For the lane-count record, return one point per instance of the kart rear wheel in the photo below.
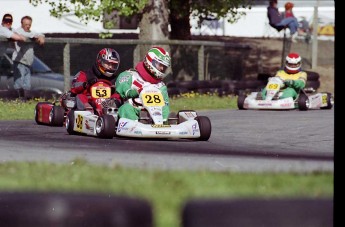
(70, 121)
(330, 101)
(105, 127)
(57, 115)
(240, 101)
(205, 127)
(36, 111)
(303, 102)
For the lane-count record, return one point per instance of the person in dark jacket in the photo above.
(277, 21)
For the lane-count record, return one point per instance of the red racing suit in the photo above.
(82, 82)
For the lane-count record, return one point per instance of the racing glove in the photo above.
(289, 83)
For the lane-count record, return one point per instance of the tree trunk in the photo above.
(179, 20)
(153, 26)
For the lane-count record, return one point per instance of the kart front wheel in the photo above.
(204, 127)
(303, 102)
(70, 121)
(240, 101)
(105, 127)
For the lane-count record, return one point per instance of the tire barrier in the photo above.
(258, 212)
(73, 209)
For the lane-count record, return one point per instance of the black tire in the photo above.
(73, 209)
(313, 84)
(312, 76)
(57, 116)
(329, 101)
(105, 127)
(36, 111)
(240, 101)
(303, 102)
(70, 121)
(257, 212)
(205, 127)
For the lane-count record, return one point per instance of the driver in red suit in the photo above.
(104, 69)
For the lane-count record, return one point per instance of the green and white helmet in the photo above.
(157, 61)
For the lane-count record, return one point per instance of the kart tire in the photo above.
(303, 102)
(57, 116)
(36, 111)
(240, 101)
(257, 212)
(74, 209)
(70, 121)
(329, 102)
(105, 127)
(205, 127)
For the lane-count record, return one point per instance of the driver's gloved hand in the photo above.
(289, 83)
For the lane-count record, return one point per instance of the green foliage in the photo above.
(167, 191)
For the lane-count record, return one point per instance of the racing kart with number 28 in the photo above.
(185, 124)
(306, 99)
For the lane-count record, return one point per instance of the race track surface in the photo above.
(241, 141)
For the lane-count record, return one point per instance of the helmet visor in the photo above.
(110, 66)
(291, 65)
(159, 66)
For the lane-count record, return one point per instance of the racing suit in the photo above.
(129, 85)
(81, 84)
(293, 83)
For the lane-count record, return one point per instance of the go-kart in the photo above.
(101, 120)
(52, 114)
(185, 124)
(307, 99)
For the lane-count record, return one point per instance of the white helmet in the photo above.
(293, 63)
(157, 61)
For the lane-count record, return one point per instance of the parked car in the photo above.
(44, 82)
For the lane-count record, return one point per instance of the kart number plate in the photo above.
(100, 92)
(272, 86)
(152, 99)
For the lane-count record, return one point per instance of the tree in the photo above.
(154, 15)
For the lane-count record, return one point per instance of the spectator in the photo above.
(288, 10)
(23, 57)
(6, 32)
(104, 69)
(277, 21)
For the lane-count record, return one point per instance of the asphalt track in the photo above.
(241, 141)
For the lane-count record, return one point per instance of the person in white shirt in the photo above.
(6, 32)
(23, 57)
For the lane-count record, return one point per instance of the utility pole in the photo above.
(315, 42)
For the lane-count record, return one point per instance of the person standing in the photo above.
(23, 57)
(6, 32)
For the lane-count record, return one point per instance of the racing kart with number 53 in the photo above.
(99, 122)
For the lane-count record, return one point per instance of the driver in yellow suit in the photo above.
(294, 78)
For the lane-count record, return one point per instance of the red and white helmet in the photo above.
(157, 61)
(108, 61)
(293, 63)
